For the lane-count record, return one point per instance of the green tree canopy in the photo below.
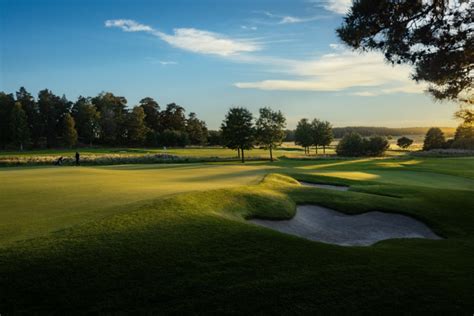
(404, 142)
(70, 133)
(434, 139)
(113, 116)
(87, 119)
(152, 113)
(196, 129)
(31, 109)
(19, 130)
(136, 127)
(303, 134)
(238, 130)
(270, 129)
(52, 110)
(173, 118)
(326, 134)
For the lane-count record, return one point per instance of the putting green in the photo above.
(34, 201)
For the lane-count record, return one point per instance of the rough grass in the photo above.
(194, 252)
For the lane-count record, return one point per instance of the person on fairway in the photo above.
(59, 162)
(78, 157)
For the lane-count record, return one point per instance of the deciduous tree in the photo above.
(238, 130)
(19, 130)
(270, 129)
(303, 134)
(70, 133)
(434, 139)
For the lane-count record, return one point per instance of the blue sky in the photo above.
(208, 56)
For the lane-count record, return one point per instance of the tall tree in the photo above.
(19, 130)
(317, 133)
(172, 118)
(434, 139)
(196, 129)
(326, 134)
(238, 130)
(87, 120)
(137, 129)
(52, 110)
(152, 113)
(30, 107)
(436, 37)
(113, 114)
(70, 133)
(303, 134)
(7, 103)
(270, 129)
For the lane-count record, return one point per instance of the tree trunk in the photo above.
(271, 154)
(238, 153)
(324, 150)
(243, 159)
(316, 150)
(21, 146)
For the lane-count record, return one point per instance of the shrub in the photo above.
(434, 139)
(351, 144)
(375, 146)
(354, 145)
(404, 142)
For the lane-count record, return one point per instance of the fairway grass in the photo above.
(174, 239)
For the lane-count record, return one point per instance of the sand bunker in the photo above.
(329, 226)
(325, 186)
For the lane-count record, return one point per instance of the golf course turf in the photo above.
(174, 238)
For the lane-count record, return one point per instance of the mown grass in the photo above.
(194, 253)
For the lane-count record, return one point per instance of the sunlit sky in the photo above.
(208, 56)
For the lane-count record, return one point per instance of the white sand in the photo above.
(325, 186)
(329, 226)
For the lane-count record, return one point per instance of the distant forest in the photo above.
(366, 131)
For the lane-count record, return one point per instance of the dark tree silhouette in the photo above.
(436, 37)
(19, 130)
(434, 139)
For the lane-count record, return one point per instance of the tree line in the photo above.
(316, 133)
(463, 138)
(51, 121)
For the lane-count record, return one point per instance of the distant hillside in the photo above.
(339, 132)
(388, 131)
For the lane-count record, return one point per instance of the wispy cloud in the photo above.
(247, 27)
(191, 39)
(167, 62)
(340, 70)
(336, 6)
(288, 19)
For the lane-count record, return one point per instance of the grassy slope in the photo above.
(194, 251)
(34, 201)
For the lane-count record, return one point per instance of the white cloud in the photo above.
(364, 94)
(191, 39)
(338, 71)
(128, 25)
(336, 6)
(288, 19)
(246, 27)
(167, 62)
